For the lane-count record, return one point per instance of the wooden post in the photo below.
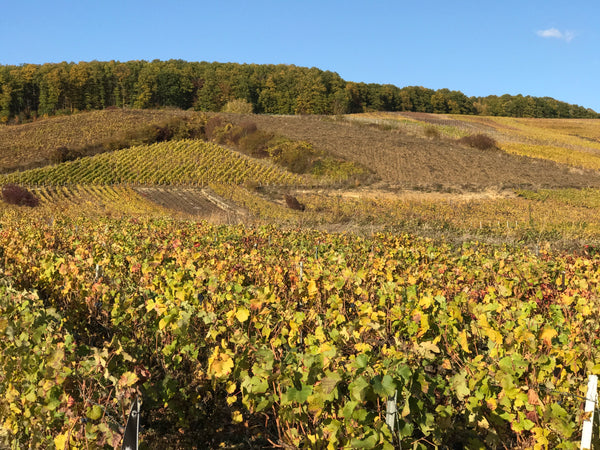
(591, 399)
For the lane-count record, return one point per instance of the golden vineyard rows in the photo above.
(33, 142)
(175, 162)
(296, 338)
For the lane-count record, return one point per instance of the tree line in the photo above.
(30, 90)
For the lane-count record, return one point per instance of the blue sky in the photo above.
(540, 48)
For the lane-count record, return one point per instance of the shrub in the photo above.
(63, 154)
(256, 143)
(479, 141)
(17, 195)
(431, 132)
(293, 203)
(238, 106)
(339, 170)
(248, 126)
(297, 157)
(212, 125)
(240, 131)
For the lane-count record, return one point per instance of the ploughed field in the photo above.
(404, 157)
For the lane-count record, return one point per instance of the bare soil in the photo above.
(198, 202)
(417, 163)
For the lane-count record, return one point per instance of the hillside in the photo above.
(35, 144)
(274, 281)
(540, 181)
(410, 160)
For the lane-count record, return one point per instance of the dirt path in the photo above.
(381, 191)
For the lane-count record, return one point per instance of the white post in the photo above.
(591, 398)
(390, 413)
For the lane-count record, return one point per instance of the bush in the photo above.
(479, 141)
(248, 126)
(212, 126)
(431, 132)
(256, 143)
(293, 203)
(297, 157)
(238, 106)
(237, 132)
(17, 195)
(64, 154)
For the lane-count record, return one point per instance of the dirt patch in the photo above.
(387, 192)
(198, 202)
(417, 163)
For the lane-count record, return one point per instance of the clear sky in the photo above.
(530, 47)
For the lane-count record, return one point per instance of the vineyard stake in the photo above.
(98, 272)
(391, 411)
(562, 287)
(591, 399)
(132, 429)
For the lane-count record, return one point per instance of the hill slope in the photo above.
(34, 144)
(412, 161)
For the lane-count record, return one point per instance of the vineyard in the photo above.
(189, 162)
(252, 306)
(34, 143)
(575, 143)
(227, 334)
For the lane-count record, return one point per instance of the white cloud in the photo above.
(557, 34)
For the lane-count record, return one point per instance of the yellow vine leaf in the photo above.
(494, 335)
(547, 334)
(312, 288)
(242, 314)
(128, 379)
(425, 301)
(219, 364)
(424, 325)
(60, 441)
(231, 387)
(362, 347)
(462, 340)
(236, 417)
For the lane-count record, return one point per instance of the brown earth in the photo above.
(413, 162)
(31, 145)
(198, 202)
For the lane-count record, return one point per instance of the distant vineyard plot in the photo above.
(176, 162)
(195, 201)
(402, 155)
(29, 144)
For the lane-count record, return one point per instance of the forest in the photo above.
(29, 91)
